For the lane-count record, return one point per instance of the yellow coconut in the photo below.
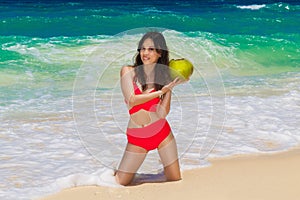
(181, 68)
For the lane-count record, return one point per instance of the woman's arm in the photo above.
(127, 75)
(163, 108)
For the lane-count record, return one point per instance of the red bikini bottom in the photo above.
(149, 137)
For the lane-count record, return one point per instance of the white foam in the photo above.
(252, 7)
(102, 177)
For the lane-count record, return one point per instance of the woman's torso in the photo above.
(143, 114)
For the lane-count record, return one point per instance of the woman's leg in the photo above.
(132, 159)
(169, 156)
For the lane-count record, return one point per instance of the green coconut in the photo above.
(181, 68)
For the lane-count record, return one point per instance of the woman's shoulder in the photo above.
(127, 69)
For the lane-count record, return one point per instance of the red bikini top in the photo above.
(149, 105)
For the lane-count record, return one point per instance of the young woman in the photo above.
(146, 87)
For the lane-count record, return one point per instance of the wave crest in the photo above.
(252, 7)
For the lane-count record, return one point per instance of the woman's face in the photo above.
(148, 53)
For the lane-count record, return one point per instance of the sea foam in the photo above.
(252, 7)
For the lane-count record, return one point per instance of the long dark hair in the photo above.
(161, 70)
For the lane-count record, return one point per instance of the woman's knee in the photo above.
(172, 172)
(175, 176)
(123, 178)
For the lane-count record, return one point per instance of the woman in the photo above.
(146, 87)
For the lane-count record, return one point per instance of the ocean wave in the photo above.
(109, 20)
(252, 7)
(153, 10)
(242, 53)
(283, 7)
(279, 7)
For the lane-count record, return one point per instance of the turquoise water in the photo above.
(56, 18)
(45, 38)
(61, 108)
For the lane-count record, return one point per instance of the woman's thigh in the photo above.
(132, 159)
(169, 157)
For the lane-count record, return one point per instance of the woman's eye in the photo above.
(149, 49)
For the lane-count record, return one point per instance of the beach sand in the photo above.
(255, 177)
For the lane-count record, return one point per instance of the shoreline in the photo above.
(264, 176)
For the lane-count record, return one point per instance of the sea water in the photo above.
(63, 116)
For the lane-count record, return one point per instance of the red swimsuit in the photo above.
(149, 105)
(148, 137)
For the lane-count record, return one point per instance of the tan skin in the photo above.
(143, 118)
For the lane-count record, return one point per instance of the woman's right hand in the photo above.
(171, 85)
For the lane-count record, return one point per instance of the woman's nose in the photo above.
(146, 51)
